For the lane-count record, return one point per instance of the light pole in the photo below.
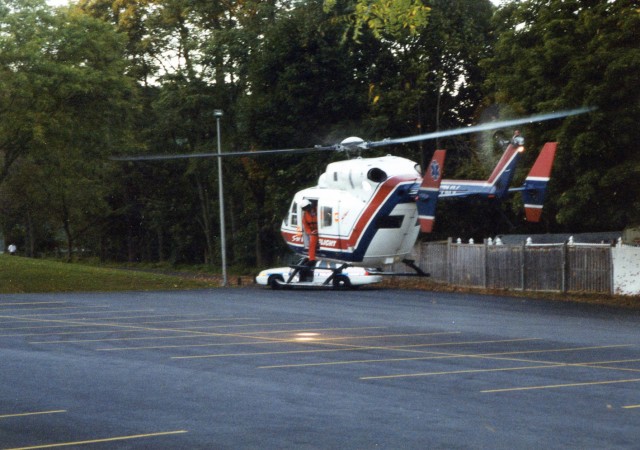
(223, 244)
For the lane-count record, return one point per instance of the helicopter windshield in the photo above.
(292, 217)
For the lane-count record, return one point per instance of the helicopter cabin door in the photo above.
(329, 224)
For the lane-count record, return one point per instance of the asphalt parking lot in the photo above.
(374, 368)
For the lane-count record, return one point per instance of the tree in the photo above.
(303, 87)
(426, 74)
(70, 111)
(553, 55)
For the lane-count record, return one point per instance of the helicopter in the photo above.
(370, 211)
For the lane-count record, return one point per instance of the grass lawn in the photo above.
(23, 275)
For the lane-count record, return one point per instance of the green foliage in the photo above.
(68, 107)
(386, 19)
(561, 54)
(431, 81)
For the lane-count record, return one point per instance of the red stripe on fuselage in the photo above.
(380, 196)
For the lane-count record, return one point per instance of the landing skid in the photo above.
(418, 272)
(303, 285)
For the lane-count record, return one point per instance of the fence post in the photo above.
(448, 268)
(611, 274)
(565, 268)
(484, 264)
(523, 268)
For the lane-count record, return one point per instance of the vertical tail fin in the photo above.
(429, 190)
(502, 174)
(535, 184)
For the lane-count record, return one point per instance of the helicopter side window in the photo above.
(294, 214)
(327, 216)
(390, 222)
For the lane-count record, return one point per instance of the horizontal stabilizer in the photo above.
(429, 190)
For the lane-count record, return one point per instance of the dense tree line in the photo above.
(99, 78)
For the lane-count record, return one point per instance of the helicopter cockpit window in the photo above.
(326, 216)
(294, 214)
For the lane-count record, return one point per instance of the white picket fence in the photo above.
(591, 268)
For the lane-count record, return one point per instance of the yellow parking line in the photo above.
(314, 341)
(456, 372)
(631, 406)
(289, 352)
(157, 316)
(301, 330)
(66, 333)
(214, 344)
(599, 365)
(85, 341)
(110, 330)
(558, 350)
(357, 361)
(111, 311)
(41, 317)
(196, 334)
(78, 323)
(171, 318)
(442, 355)
(47, 327)
(540, 365)
(219, 319)
(125, 326)
(36, 413)
(415, 348)
(32, 303)
(343, 348)
(57, 308)
(99, 441)
(191, 334)
(556, 386)
(259, 340)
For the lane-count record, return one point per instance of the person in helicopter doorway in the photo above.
(310, 224)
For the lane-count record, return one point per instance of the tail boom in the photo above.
(496, 186)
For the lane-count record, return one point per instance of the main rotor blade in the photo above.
(481, 127)
(363, 145)
(161, 157)
(225, 154)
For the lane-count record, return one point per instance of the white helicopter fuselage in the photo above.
(366, 211)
